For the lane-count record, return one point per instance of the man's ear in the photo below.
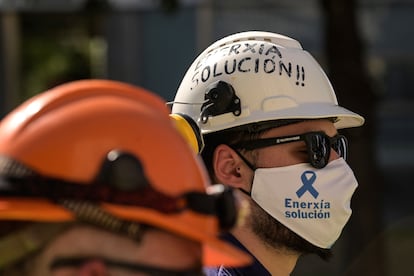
(229, 168)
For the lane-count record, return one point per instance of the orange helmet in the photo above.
(113, 145)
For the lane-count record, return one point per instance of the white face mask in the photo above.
(313, 203)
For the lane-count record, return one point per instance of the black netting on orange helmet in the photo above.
(120, 181)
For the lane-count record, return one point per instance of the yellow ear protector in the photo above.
(189, 130)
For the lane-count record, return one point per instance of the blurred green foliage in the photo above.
(55, 49)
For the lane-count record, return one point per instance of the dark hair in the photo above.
(235, 136)
(227, 137)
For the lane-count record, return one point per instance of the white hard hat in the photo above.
(254, 77)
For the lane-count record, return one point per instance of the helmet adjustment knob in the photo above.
(220, 98)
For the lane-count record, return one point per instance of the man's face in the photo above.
(261, 223)
(157, 249)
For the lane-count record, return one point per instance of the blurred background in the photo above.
(365, 46)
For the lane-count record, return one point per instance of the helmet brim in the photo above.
(344, 118)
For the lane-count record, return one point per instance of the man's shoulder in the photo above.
(256, 268)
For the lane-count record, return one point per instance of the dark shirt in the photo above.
(256, 268)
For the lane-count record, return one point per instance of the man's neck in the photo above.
(277, 262)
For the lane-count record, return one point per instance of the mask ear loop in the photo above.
(250, 165)
(247, 162)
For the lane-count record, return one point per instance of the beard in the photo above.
(276, 235)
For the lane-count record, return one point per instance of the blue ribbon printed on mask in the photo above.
(308, 178)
